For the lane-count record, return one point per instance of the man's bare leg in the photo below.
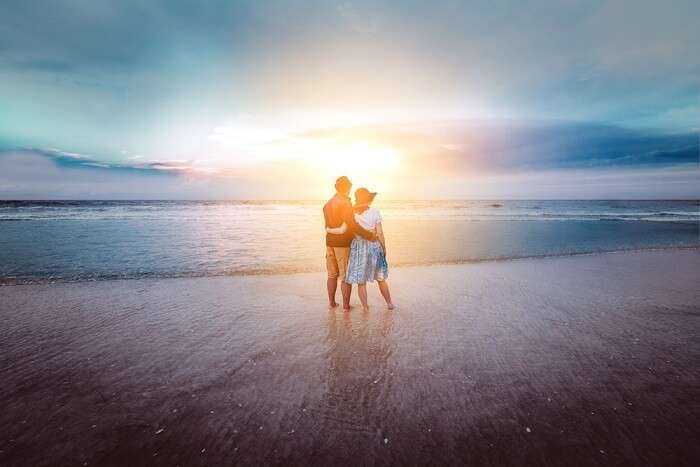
(346, 290)
(332, 285)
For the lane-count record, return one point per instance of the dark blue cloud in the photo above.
(76, 161)
(510, 146)
(504, 145)
(53, 174)
(588, 145)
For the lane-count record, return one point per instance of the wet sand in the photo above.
(589, 360)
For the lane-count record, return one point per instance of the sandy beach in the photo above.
(583, 360)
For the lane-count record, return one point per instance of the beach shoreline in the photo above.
(585, 359)
(28, 280)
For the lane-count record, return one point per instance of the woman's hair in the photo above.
(360, 208)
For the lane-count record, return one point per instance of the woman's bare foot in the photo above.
(332, 305)
(346, 308)
(365, 308)
(390, 306)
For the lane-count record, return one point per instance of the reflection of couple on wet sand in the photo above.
(358, 351)
(355, 245)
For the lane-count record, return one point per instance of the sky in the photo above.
(416, 99)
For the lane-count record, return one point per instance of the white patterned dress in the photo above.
(367, 261)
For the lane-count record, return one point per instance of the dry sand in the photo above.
(589, 360)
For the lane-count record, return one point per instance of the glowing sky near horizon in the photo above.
(260, 99)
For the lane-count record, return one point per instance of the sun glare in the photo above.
(368, 156)
(366, 164)
(316, 157)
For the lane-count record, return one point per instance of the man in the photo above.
(336, 211)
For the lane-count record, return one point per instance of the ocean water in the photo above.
(98, 240)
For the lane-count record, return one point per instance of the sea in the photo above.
(54, 241)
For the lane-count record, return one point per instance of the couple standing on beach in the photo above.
(355, 245)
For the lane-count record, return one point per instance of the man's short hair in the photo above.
(343, 184)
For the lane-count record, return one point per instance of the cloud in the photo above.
(136, 163)
(509, 146)
(98, 164)
(357, 20)
(44, 64)
(53, 174)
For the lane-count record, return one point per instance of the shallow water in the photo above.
(567, 361)
(50, 241)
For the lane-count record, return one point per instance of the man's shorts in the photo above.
(337, 261)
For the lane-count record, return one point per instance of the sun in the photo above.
(366, 164)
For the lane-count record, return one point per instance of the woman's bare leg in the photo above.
(384, 289)
(362, 292)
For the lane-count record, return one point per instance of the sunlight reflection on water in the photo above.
(101, 240)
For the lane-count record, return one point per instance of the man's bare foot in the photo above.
(346, 307)
(332, 305)
(390, 306)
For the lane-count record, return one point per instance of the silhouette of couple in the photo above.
(355, 245)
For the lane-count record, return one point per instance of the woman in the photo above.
(367, 259)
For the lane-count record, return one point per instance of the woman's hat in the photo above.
(364, 196)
